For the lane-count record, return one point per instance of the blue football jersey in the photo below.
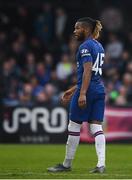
(91, 51)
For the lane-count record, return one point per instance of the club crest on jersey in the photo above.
(85, 52)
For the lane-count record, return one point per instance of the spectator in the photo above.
(25, 95)
(60, 23)
(44, 24)
(30, 65)
(42, 74)
(114, 47)
(112, 19)
(121, 100)
(64, 67)
(36, 87)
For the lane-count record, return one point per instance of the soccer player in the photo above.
(87, 98)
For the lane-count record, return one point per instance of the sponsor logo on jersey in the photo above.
(85, 52)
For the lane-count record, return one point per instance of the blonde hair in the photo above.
(97, 29)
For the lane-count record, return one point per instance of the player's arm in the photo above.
(71, 90)
(85, 83)
(66, 97)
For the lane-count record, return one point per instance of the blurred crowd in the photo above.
(37, 51)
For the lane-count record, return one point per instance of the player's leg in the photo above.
(97, 131)
(71, 146)
(72, 142)
(73, 130)
(73, 136)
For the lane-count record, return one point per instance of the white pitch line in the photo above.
(66, 174)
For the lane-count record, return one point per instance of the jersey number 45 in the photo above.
(97, 67)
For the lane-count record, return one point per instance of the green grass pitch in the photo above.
(31, 161)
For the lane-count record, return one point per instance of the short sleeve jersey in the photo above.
(90, 51)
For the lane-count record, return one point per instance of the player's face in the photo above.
(79, 31)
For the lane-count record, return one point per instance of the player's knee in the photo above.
(96, 129)
(74, 127)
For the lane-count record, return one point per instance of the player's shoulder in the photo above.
(85, 44)
(99, 44)
(91, 44)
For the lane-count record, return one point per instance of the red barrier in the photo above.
(117, 125)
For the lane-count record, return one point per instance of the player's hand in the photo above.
(82, 101)
(66, 97)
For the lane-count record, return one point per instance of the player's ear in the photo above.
(87, 30)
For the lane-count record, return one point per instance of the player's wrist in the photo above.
(83, 93)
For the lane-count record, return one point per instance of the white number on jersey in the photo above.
(97, 67)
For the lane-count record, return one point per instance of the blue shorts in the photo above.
(93, 111)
